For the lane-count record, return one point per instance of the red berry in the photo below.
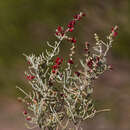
(112, 29)
(59, 29)
(61, 59)
(79, 17)
(62, 34)
(71, 24)
(70, 61)
(25, 112)
(73, 40)
(57, 33)
(76, 16)
(115, 33)
(90, 63)
(53, 71)
(30, 77)
(59, 62)
(57, 59)
(55, 67)
(71, 29)
(28, 118)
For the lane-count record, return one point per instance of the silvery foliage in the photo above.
(55, 100)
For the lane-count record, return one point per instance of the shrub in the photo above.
(60, 92)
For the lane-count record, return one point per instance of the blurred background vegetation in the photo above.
(26, 25)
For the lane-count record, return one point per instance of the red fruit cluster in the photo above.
(71, 25)
(59, 31)
(58, 62)
(94, 61)
(28, 118)
(30, 77)
(76, 18)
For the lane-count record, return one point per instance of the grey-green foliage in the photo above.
(60, 93)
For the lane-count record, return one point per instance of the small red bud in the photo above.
(112, 29)
(76, 16)
(25, 112)
(55, 66)
(62, 34)
(57, 33)
(90, 64)
(59, 29)
(71, 29)
(57, 59)
(53, 71)
(30, 77)
(70, 61)
(115, 33)
(73, 40)
(28, 118)
(71, 24)
(79, 17)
